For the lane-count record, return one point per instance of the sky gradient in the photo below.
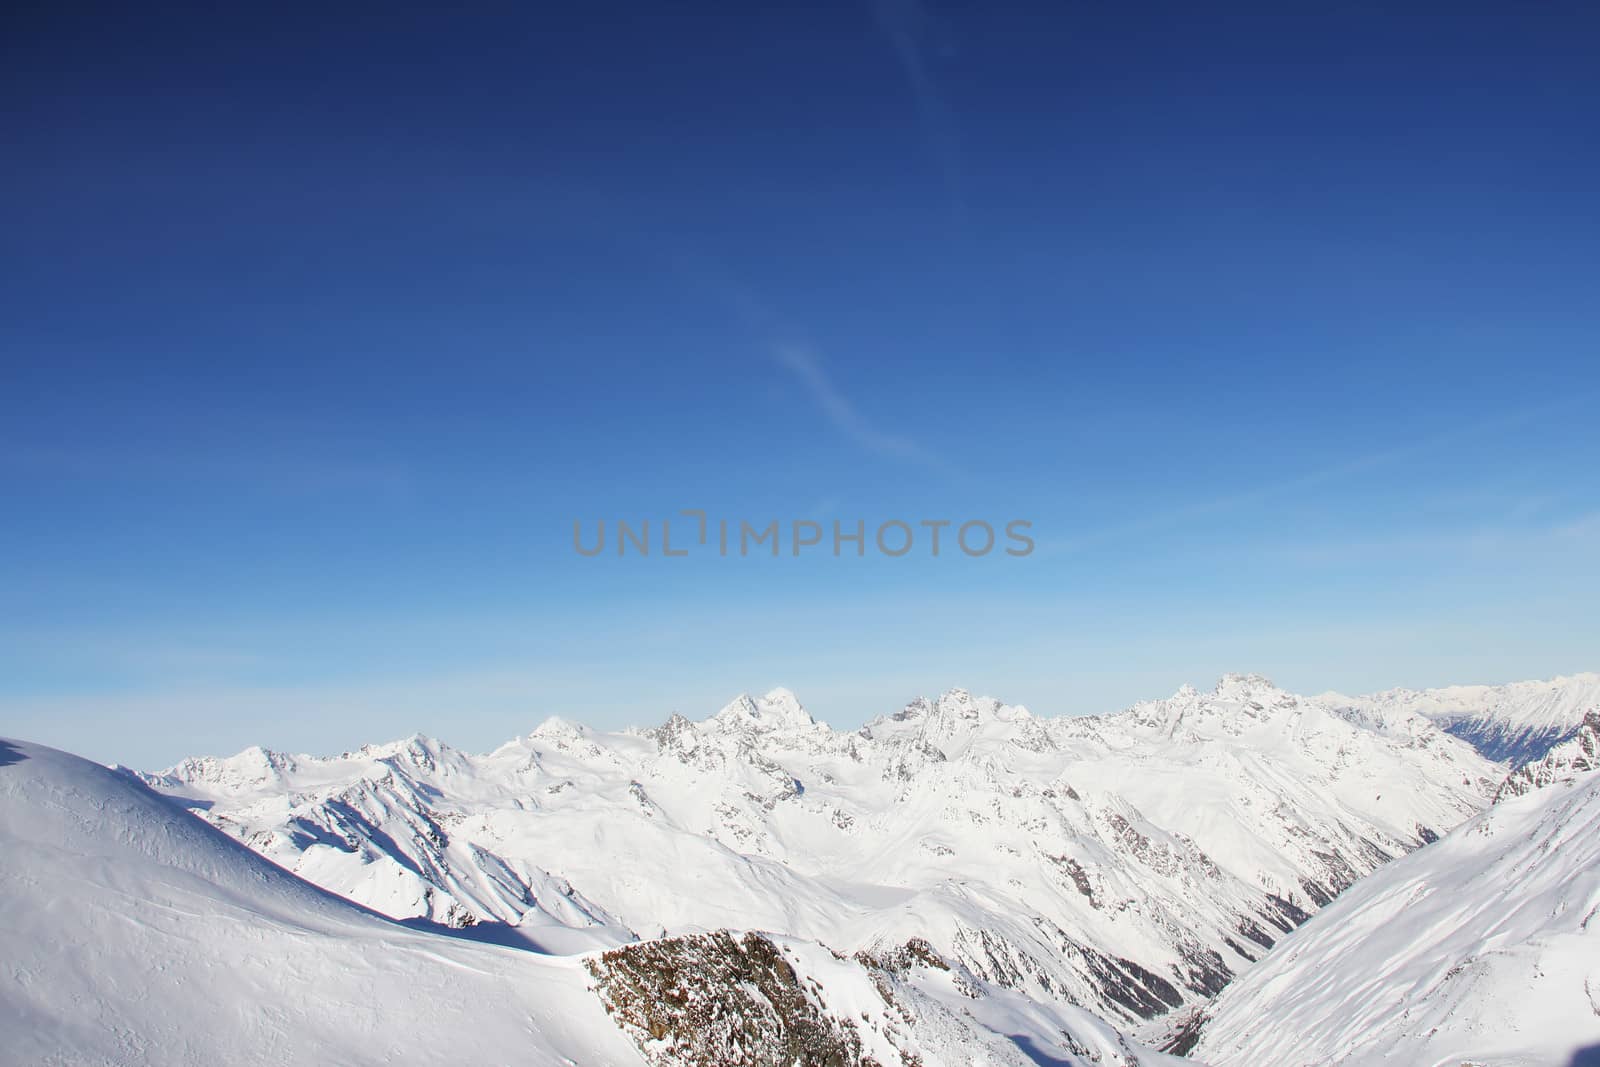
(319, 331)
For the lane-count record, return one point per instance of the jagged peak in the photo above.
(1236, 697)
(953, 715)
(1237, 684)
(780, 693)
(556, 726)
(416, 744)
(677, 732)
(255, 760)
(742, 706)
(915, 708)
(954, 701)
(778, 709)
(783, 704)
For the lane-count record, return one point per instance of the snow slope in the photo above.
(133, 933)
(378, 838)
(1482, 949)
(1513, 723)
(1127, 863)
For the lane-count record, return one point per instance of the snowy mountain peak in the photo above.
(954, 707)
(254, 766)
(741, 707)
(555, 727)
(418, 748)
(1237, 702)
(779, 709)
(1245, 685)
(784, 706)
(963, 704)
(958, 705)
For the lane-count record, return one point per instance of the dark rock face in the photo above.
(1141, 991)
(1185, 1033)
(712, 1001)
(1204, 972)
(1577, 753)
(1252, 929)
(916, 952)
(1284, 914)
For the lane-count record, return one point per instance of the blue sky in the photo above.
(319, 331)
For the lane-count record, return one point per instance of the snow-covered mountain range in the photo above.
(135, 934)
(1129, 863)
(960, 882)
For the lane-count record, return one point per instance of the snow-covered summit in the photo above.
(1244, 686)
(778, 710)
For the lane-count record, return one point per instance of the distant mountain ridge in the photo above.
(1129, 863)
(1512, 723)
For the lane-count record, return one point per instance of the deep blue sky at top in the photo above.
(319, 328)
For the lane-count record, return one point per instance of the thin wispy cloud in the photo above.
(905, 24)
(803, 363)
(841, 411)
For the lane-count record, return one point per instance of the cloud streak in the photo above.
(841, 411)
(904, 24)
(801, 360)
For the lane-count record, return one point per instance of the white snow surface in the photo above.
(1126, 863)
(1482, 949)
(133, 933)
